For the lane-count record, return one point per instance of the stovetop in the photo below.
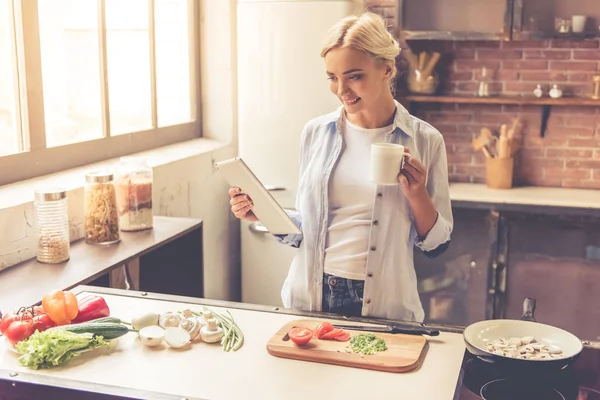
(484, 380)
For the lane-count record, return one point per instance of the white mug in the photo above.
(387, 159)
(578, 23)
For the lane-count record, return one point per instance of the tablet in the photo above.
(266, 208)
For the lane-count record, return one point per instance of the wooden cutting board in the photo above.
(404, 352)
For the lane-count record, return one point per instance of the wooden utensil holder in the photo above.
(499, 172)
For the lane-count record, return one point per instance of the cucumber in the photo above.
(114, 320)
(108, 330)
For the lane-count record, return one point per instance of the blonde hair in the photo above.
(366, 32)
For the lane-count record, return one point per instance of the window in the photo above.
(10, 132)
(86, 80)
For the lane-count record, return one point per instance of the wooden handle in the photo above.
(431, 64)
(487, 133)
(479, 142)
(422, 59)
(412, 60)
(503, 147)
(513, 130)
(486, 152)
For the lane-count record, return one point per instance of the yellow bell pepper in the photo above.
(61, 306)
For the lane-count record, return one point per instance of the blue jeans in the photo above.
(342, 296)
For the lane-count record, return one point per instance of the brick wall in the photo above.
(568, 155)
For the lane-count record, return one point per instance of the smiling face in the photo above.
(359, 80)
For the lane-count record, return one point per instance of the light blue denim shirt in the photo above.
(390, 283)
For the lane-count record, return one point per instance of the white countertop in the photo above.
(207, 372)
(530, 195)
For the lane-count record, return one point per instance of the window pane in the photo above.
(70, 70)
(172, 61)
(9, 139)
(128, 59)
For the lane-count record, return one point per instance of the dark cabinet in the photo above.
(454, 19)
(499, 258)
(544, 18)
(495, 19)
(555, 260)
(452, 287)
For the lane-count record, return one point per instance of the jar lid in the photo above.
(52, 194)
(99, 177)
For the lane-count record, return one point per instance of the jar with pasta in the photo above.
(52, 226)
(100, 208)
(134, 194)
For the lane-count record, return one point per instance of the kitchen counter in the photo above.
(130, 371)
(207, 372)
(89, 262)
(526, 199)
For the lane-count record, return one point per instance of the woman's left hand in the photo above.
(412, 177)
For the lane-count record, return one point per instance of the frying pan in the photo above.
(477, 335)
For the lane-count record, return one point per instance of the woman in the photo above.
(356, 248)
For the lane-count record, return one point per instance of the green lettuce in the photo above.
(55, 347)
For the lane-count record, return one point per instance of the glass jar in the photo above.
(101, 225)
(52, 226)
(134, 194)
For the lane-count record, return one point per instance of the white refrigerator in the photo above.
(281, 85)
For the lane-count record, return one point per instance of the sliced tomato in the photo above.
(332, 334)
(343, 337)
(322, 329)
(300, 335)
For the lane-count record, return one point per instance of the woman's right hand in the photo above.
(241, 204)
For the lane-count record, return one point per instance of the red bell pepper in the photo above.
(91, 307)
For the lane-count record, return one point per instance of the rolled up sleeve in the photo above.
(293, 239)
(438, 238)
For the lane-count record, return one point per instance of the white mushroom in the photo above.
(525, 348)
(515, 341)
(191, 325)
(169, 320)
(527, 339)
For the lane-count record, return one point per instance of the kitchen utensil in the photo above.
(404, 352)
(499, 172)
(422, 59)
(422, 78)
(514, 136)
(477, 335)
(435, 57)
(393, 329)
(515, 128)
(485, 139)
(503, 143)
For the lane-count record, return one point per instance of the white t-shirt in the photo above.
(351, 197)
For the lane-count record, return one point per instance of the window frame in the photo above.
(36, 159)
